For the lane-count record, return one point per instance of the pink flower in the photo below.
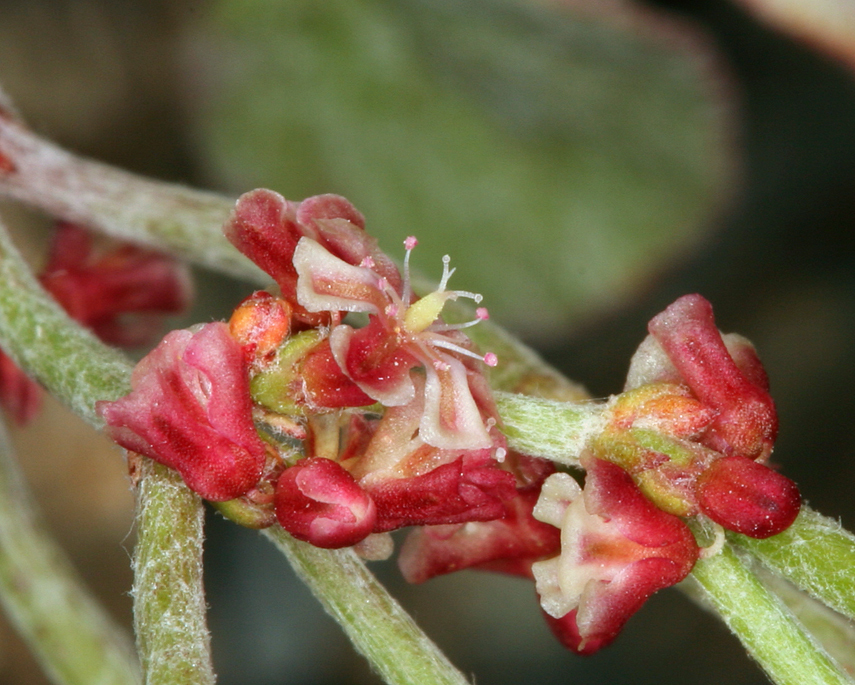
(190, 409)
(696, 425)
(121, 294)
(617, 549)
(723, 373)
(402, 334)
(407, 481)
(266, 228)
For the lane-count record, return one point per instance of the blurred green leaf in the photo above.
(559, 157)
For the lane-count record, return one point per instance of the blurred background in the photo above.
(584, 163)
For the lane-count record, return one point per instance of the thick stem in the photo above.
(80, 370)
(169, 602)
(547, 428)
(34, 330)
(376, 624)
(788, 654)
(816, 553)
(184, 222)
(72, 637)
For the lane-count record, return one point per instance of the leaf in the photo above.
(559, 157)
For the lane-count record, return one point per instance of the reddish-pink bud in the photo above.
(746, 423)
(101, 290)
(748, 497)
(471, 488)
(190, 409)
(317, 501)
(508, 545)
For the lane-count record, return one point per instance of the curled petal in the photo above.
(471, 488)
(748, 497)
(373, 360)
(747, 422)
(317, 501)
(327, 283)
(452, 419)
(263, 226)
(190, 409)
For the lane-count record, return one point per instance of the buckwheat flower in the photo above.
(121, 293)
(617, 549)
(190, 409)
(266, 228)
(696, 425)
(403, 333)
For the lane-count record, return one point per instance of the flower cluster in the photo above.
(691, 435)
(395, 421)
(344, 407)
(121, 294)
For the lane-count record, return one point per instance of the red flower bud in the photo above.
(190, 410)
(748, 497)
(317, 501)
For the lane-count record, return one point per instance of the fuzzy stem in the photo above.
(547, 428)
(833, 630)
(376, 624)
(765, 626)
(169, 603)
(35, 331)
(816, 553)
(184, 222)
(79, 370)
(72, 637)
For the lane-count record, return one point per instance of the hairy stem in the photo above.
(169, 602)
(184, 222)
(376, 624)
(72, 637)
(816, 553)
(548, 428)
(80, 370)
(767, 629)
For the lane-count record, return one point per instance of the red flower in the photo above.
(190, 410)
(401, 335)
(617, 549)
(122, 294)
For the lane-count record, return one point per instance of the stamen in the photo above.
(489, 359)
(409, 244)
(446, 273)
(367, 262)
(481, 314)
(500, 455)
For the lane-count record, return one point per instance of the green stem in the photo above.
(169, 602)
(548, 428)
(816, 554)
(184, 222)
(376, 624)
(788, 654)
(80, 370)
(70, 362)
(834, 631)
(72, 637)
